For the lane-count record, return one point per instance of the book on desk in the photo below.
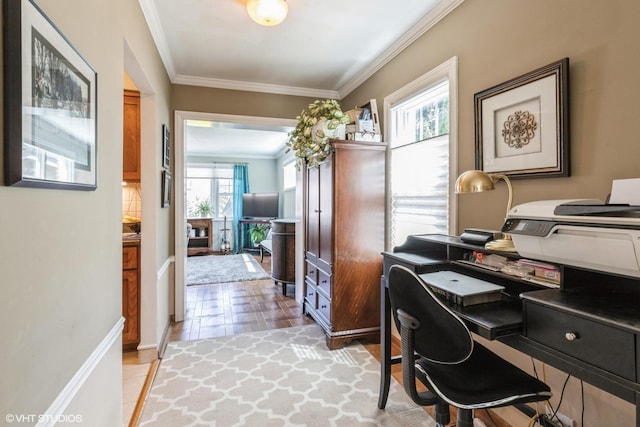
(461, 289)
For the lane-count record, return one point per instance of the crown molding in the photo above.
(153, 21)
(425, 24)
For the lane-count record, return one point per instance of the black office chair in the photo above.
(457, 370)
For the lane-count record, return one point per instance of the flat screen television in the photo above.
(260, 205)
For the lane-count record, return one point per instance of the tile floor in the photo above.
(134, 375)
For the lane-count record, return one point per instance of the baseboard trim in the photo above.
(165, 338)
(69, 392)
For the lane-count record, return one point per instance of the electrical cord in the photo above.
(537, 417)
(553, 415)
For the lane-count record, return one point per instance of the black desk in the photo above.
(530, 318)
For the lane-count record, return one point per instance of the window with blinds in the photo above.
(420, 158)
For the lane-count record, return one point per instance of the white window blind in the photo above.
(420, 188)
(422, 141)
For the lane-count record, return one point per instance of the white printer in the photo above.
(582, 233)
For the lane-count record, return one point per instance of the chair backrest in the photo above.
(441, 337)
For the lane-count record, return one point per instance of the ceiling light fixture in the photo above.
(267, 12)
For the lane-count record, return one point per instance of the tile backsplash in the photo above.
(131, 200)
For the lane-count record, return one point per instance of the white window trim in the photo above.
(448, 70)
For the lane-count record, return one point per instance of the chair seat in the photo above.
(473, 384)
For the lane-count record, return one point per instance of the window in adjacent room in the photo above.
(289, 175)
(213, 183)
(421, 123)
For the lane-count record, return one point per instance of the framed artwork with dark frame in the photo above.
(166, 147)
(166, 189)
(522, 125)
(50, 108)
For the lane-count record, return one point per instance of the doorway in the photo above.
(225, 121)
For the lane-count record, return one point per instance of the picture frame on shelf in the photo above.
(167, 179)
(522, 125)
(166, 147)
(50, 126)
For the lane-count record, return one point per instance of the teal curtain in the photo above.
(240, 186)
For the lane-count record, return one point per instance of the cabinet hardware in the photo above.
(571, 336)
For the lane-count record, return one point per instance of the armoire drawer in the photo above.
(311, 295)
(604, 346)
(324, 307)
(324, 282)
(312, 273)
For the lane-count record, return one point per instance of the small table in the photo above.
(201, 242)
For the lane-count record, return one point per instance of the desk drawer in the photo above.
(603, 346)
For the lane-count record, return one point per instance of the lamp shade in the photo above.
(267, 12)
(474, 181)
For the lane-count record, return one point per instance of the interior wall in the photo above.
(242, 103)
(497, 40)
(146, 70)
(61, 250)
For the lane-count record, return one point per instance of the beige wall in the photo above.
(60, 252)
(242, 103)
(496, 40)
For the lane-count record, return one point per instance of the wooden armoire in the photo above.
(344, 221)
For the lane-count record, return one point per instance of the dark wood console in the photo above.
(283, 252)
(589, 326)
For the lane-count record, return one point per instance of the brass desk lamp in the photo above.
(476, 181)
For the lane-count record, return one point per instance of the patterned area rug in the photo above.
(204, 270)
(284, 377)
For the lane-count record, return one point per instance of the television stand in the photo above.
(241, 223)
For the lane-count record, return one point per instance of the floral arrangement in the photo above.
(309, 140)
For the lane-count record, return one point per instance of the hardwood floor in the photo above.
(231, 308)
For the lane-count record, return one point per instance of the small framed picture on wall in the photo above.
(166, 189)
(166, 147)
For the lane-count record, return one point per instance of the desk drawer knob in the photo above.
(571, 336)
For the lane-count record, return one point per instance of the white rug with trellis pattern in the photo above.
(283, 377)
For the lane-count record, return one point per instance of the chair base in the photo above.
(465, 418)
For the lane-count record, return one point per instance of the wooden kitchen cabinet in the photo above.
(131, 295)
(344, 224)
(131, 137)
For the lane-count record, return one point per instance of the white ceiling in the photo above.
(323, 49)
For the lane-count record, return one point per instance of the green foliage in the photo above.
(258, 232)
(311, 147)
(203, 208)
